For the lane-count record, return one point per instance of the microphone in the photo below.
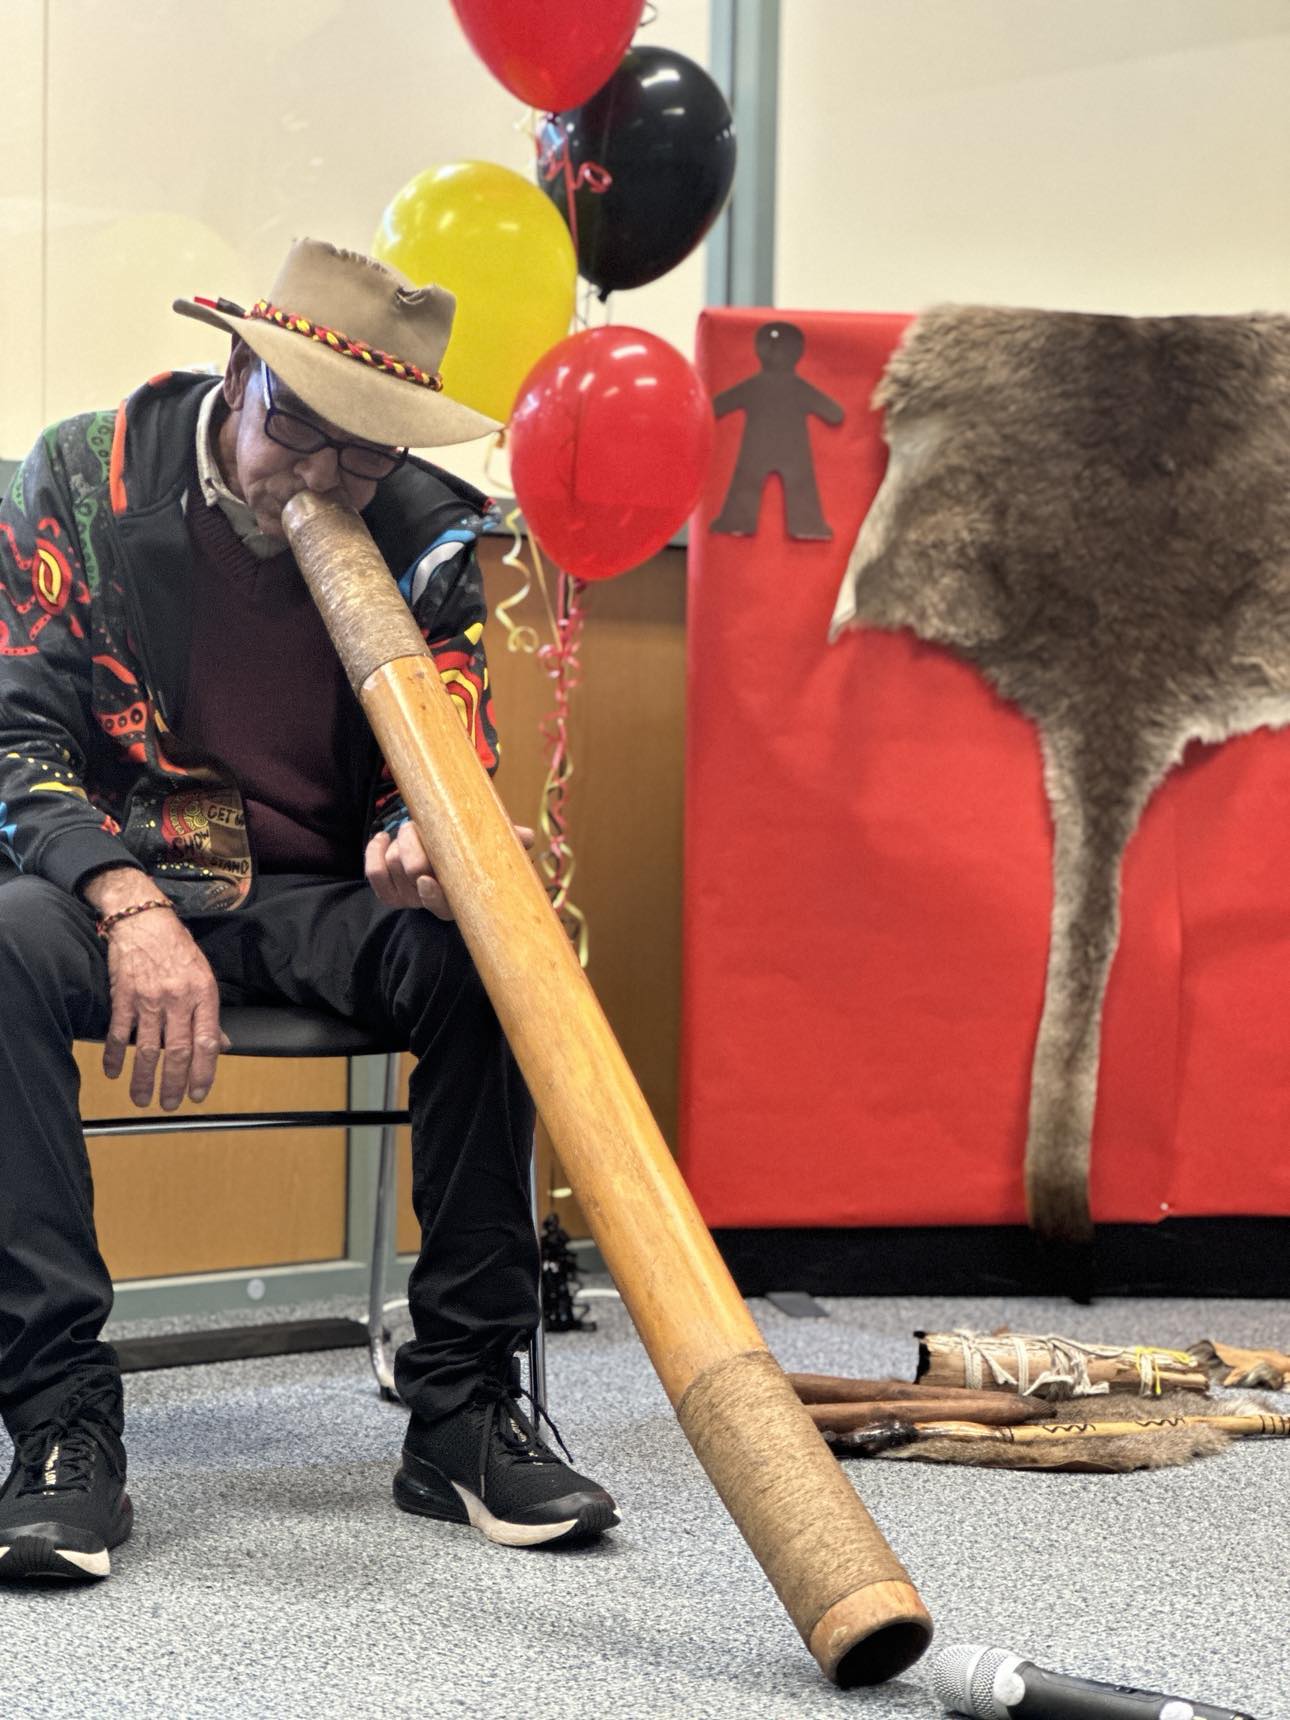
(991, 1684)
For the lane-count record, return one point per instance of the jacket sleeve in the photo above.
(445, 591)
(48, 826)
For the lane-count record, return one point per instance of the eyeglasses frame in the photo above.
(273, 411)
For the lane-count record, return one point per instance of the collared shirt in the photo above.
(216, 493)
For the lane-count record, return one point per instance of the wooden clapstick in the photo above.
(994, 1411)
(1248, 1425)
(841, 1388)
(844, 1588)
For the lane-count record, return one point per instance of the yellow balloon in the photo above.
(494, 240)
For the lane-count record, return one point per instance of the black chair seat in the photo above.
(271, 1030)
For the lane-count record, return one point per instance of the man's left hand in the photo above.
(402, 877)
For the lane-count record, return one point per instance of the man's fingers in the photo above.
(431, 895)
(425, 889)
(116, 1044)
(147, 1052)
(178, 1061)
(406, 862)
(378, 873)
(411, 852)
(527, 837)
(398, 873)
(143, 1074)
(208, 1042)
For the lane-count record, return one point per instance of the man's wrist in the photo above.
(119, 887)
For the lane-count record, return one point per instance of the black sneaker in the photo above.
(64, 1504)
(488, 1466)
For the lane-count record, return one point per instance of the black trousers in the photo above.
(316, 942)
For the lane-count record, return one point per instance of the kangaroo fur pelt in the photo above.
(1095, 512)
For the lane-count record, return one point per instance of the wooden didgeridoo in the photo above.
(843, 1587)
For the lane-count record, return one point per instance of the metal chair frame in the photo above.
(388, 1119)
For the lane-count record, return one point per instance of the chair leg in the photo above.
(382, 1243)
(537, 1343)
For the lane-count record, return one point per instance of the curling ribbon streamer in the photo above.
(561, 661)
(519, 636)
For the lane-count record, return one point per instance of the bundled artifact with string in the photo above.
(991, 1399)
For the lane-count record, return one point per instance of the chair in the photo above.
(274, 1031)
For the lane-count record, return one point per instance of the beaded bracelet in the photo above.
(105, 925)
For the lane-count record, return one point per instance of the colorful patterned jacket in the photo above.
(94, 641)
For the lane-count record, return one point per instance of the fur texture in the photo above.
(1156, 1447)
(1094, 511)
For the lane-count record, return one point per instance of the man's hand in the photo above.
(163, 991)
(401, 875)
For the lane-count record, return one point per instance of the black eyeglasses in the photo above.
(302, 436)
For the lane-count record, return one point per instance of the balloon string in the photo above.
(561, 661)
(498, 481)
(539, 569)
(586, 299)
(554, 162)
(519, 635)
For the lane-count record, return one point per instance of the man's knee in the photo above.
(432, 948)
(46, 942)
(434, 964)
(30, 910)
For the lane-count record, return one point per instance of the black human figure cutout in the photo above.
(776, 404)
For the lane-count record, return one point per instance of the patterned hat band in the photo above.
(263, 311)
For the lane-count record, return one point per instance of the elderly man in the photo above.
(189, 800)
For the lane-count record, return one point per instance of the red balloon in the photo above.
(609, 442)
(553, 55)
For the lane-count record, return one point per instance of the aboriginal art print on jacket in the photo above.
(94, 632)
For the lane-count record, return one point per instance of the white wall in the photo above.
(1123, 155)
(184, 143)
(21, 262)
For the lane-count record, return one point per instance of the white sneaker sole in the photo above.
(431, 1493)
(508, 1534)
(52, 1562)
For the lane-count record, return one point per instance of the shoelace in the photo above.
(519, 1434)
(74, 1437)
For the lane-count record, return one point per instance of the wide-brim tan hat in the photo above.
(357, 342)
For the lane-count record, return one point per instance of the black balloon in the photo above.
(662, 131)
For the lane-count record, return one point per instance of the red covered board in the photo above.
(867, 897)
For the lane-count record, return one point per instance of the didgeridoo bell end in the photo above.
(872, 1635)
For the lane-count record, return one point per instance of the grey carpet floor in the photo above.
(270, 1576)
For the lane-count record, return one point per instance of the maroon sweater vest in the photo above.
(267, 695)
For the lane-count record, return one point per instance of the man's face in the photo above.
(260, 470)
